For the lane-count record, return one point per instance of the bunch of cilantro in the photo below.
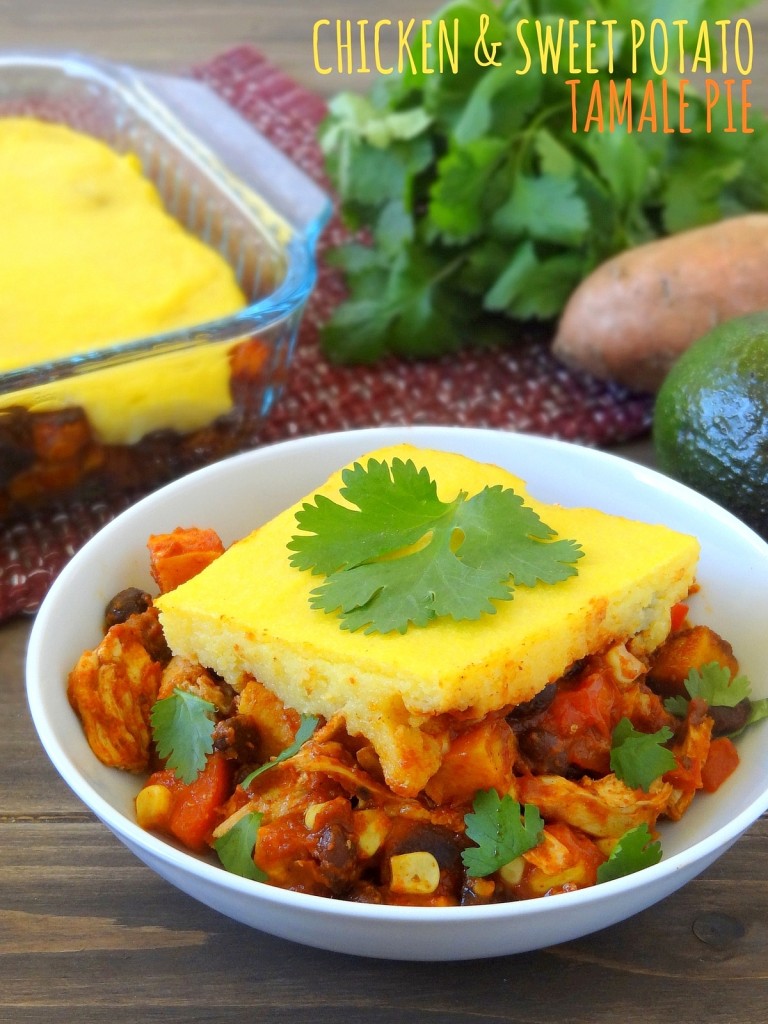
(481, 208)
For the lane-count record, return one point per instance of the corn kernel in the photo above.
(312, 812)
(512, 873)
(153, 807)
(414, 873)
(371, 829)
(481, 888)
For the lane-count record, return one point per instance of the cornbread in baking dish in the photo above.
(91, 258)
(248, 614)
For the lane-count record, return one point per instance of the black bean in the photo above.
(544, 752)
(336, 857)
(730, 720)
(238, 737)
(520, 715)
(131, 601)
(416, 837)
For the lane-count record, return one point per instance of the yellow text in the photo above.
(347, 47)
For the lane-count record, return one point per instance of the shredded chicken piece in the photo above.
(191, 677)
(112, 690)
(691, 748)
(604, 808)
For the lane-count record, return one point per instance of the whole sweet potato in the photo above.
(635, 314)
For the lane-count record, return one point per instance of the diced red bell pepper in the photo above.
(196, 809)
(722, 761)
(678, 614)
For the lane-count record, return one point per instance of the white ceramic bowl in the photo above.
(234, 496)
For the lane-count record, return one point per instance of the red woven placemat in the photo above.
(522, 388)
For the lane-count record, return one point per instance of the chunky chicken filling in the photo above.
(327, 822)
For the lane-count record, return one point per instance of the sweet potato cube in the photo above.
(277, 725)
(178, 556)
(480, 758)
(690, 648)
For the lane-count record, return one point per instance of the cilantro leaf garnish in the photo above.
(306, 728)
(711, 683)
(235, 848)
(182, 729)
(757, 712)
(634, 851)
(638, 758)
(398, 555)
(502, 830)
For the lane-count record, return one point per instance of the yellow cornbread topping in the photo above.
(90, 257)
(249, 613)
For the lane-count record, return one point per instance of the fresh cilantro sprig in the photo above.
(306, 729)
(639, 758)
(502, 831)
(483, 205)
(398, 555)
(711, 683)
(182, 729)
(236, 847)
(634, 851)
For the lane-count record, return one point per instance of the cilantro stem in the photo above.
(447, 270)
(306, 728)
(528, 135)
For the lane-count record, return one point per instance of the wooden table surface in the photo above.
(89, 934)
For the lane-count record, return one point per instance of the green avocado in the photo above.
(710, 422)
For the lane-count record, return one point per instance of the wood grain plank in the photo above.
(30, 785)
(77, 889)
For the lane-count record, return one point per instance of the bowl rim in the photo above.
(168, 853)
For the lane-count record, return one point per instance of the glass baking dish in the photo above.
(183, 398)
